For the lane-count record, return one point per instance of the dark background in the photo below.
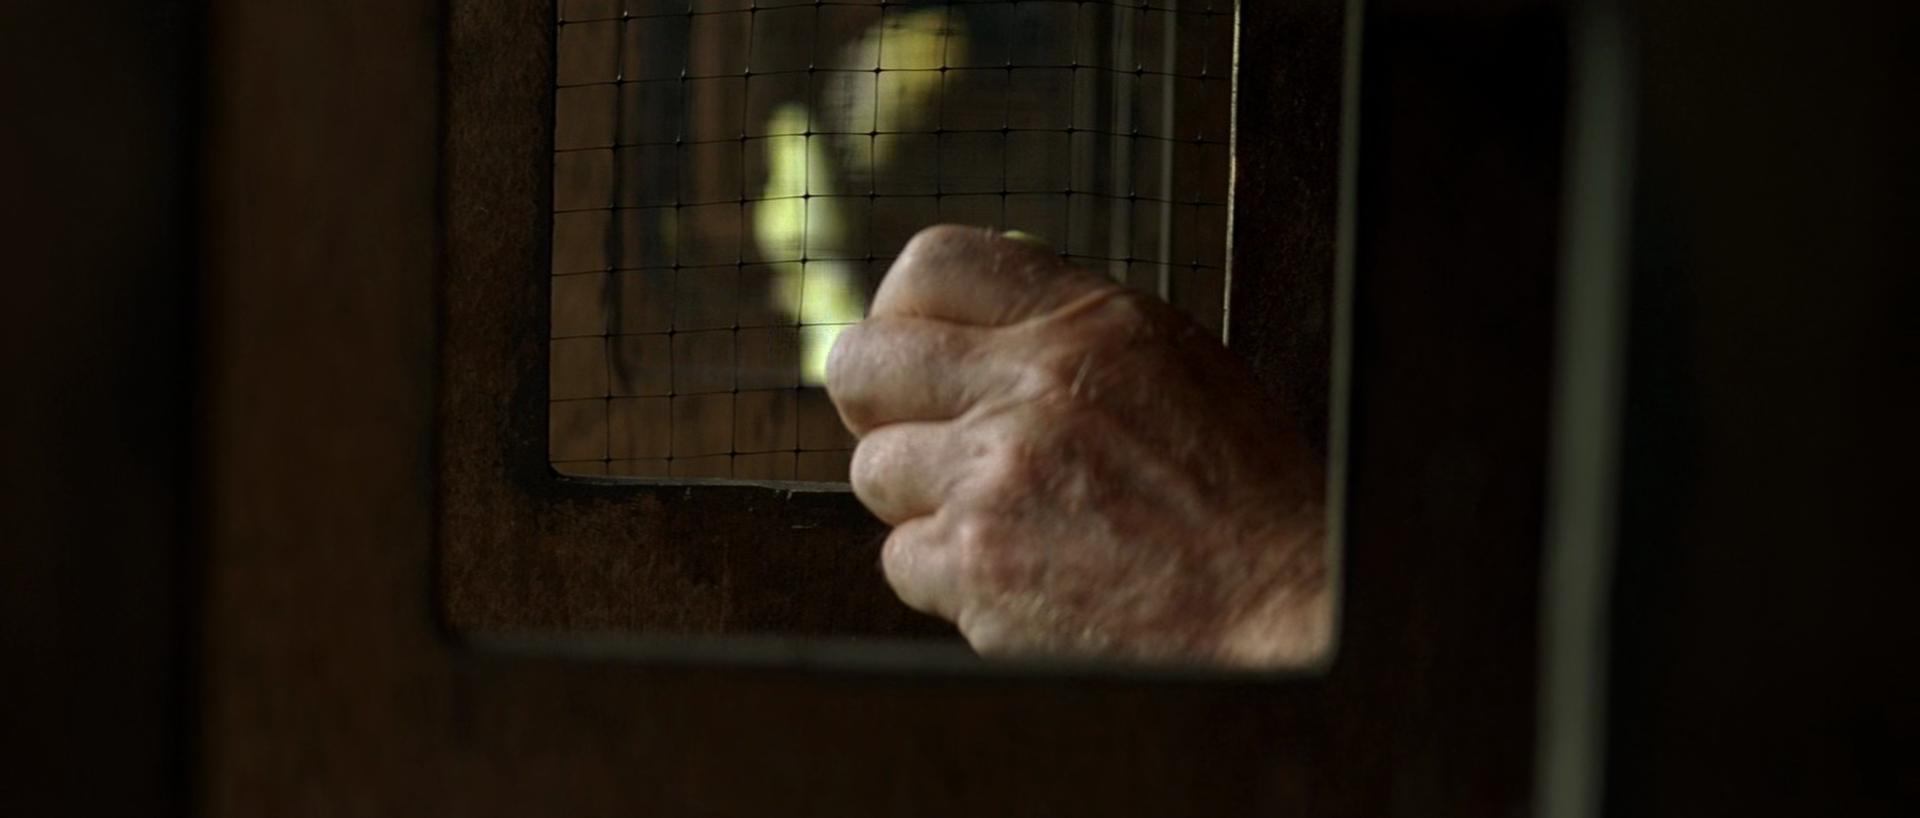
(1760, 640)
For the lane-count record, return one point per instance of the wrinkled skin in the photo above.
(1074, 468)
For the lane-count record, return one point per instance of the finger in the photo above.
(905, 470)
(978, 276)
(890, 369)
(923, 569)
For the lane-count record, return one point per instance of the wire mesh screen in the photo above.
(732, 178)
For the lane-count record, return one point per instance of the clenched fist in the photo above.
(1072, 467)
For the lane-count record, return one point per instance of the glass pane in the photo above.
(732, 179)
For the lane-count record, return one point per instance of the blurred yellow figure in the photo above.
(830, 294)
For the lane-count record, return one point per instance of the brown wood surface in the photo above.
(332, 687)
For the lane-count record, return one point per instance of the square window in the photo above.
(769, 294)
(715, 109)
(840, 164)
(582, 179)
(768, 358)
(973, 163)
(644, 300)
(577, 367)
(906, 164)
(975, 100)
(1145, 237)
(1101, 39)
(710, 235)
(710, 172)
(1152, 116)
(837, 227)
(580, 241)
(649, 237)
(782, 40)
(702, 424)
(854, 26)
(649, 111)
(765, 421)
(843, 101)
(649, 175)
(577, 430)
(1152, 165)
(586, 53)
(704, 297)
(1096, 156)
(1043, 33)
(1165, 42)
(583, 117)
(779, 229)
(914, 38)
(779, 165)
(639, 428)
(702, 362)
(776, 104)
(1035, 98)
(983, 35)
(1095, 95)
(579, 305)
(909, 101)
(656, 48)
(641, 364)
(713, 44)
(1096, 226)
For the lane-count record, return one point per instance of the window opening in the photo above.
(732, 178)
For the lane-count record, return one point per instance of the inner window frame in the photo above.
(525, 550)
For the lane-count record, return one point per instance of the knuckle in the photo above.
(1010, 471)
(895, 559)
(847, 361)
(866, 472)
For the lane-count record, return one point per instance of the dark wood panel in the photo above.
(1762, 639)
(96, 243)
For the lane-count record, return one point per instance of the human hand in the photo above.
(1073, 467)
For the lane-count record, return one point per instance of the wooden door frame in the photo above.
(330, 684)
(652, 566)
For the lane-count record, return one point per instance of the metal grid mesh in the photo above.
(733, 177)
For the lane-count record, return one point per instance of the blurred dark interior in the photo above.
(221, 321)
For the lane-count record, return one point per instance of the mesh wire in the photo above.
(733, 177)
